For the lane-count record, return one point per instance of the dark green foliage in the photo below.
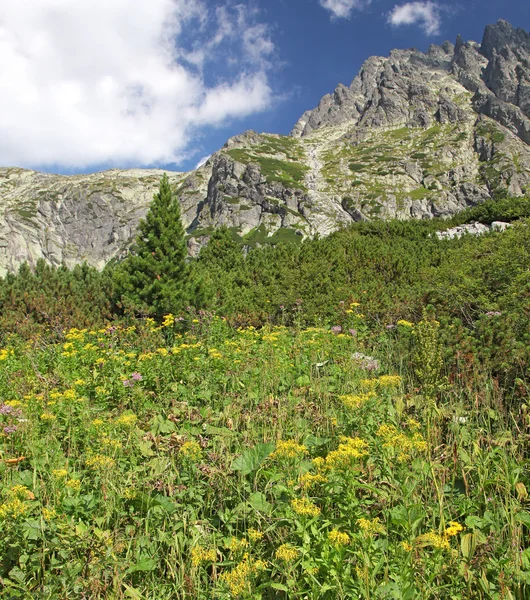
(49, 300)
(155, 277)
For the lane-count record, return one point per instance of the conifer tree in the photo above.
(155, 277)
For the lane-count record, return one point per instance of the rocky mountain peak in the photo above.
(414, 135)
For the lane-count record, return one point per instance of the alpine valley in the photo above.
(416, 135)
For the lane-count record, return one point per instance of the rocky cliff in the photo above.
(415, 135)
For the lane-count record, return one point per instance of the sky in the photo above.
(88, 85)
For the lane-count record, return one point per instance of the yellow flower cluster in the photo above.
(254, 535)
(13, 509)
(5, 353)
(48, 514)
(239, 578)
(434, 540)
(201, 555)
(191, 451)
(214, 353)
(21, 492)
(47, 416)
(97, 422)
(356, 400)
(404, 323)
(100, 462)
(453, 529)
(304, 507)
(349, 452)
(236, 545)
(73, 484)
(404, 445)
(288, 449)
(127, 420)
(168, 321)
(338, 538)
(108, 442)
(310, 480)
(371, 526)
(286, 552)
(59, 473)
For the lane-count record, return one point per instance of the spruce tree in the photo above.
(155, 277)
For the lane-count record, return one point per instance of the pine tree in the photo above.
(155, 277)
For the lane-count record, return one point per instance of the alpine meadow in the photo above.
(300, 371)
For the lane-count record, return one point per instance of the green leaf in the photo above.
(144, 564)
(279, 586)
(258, 501)
(252, 459)
(468, 544)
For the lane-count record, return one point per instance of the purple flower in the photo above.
(353, 332)
(10, 429)
(336, 329)
(136, 376)
(493, 313)
(127, 383)
(5, 409)
(391, 326)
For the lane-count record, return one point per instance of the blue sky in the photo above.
(85, 89)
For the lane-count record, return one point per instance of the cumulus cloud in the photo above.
(342, 9)
(425, 14)
(128, 82)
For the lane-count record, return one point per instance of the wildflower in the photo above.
(73, 484)
(370, 527)
(236, 545)
(168, 321)
(136, 376)
(286, 552)
(389, 381)
(434, 540)
(304, 507)
(406, 546)
(239, 578)
(21, 492)
(13, 509)
(348, 453)
(404, 323)
(336, 329)
(200, 555)
(79, 382)
(354, 401)
(47, 416)
(48, 514)
(191, 451)
(163, 351)
(127, 420)
(413, 424)
(254, 535)
(338, 538)
(453, 529)
(310, 480)
(288, 449)
(9, 429)
(100, 462)
(97, 422)
(59, 473)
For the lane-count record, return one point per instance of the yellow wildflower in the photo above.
(348, 454)
(370, 527)
(254, 535)
(406, 546)
(48, 514)
(13, 509)
(304, 507)
(126, 420)
(99, 462)
(200, 555)
(73, 484)
(389, 381)
(432, 539)
(310, 480)
(191, 450)
(237, 545)
(168, 321)
(97, 422)
(60, 473)
(286, 552)
(338, 538)
(288, 449)
(453, 529)
(404, 323)
(48, 417)
(356, 400)
(239, 578)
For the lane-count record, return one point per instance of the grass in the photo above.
(198, 460)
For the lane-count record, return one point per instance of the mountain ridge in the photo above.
(415, 135)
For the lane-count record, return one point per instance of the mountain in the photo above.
(415, 135)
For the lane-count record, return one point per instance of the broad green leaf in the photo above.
(252, 459)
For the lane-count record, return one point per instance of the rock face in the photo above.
(415, 135)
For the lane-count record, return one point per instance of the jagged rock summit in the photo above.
(415, 135)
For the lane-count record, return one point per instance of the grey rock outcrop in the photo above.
(415, 135)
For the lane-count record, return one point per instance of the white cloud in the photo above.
(202, 161)
(342, 9)
(425, 14)
(128, 82)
